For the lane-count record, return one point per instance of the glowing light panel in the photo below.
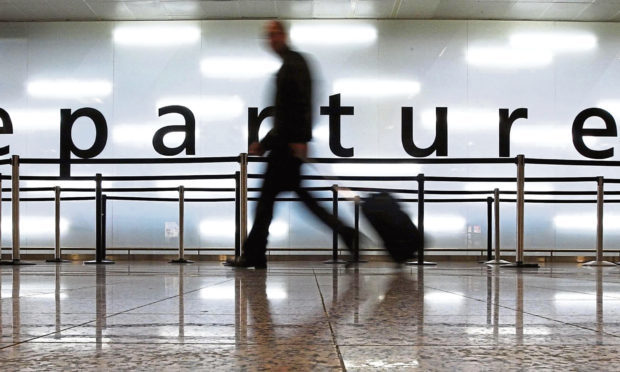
(376, 87)
(331, 35)
(585, 221)
(69, 88)
(208, 108)
(36, 225)
(154, 36)
(555, 41)
(508, 58)
(239, 67)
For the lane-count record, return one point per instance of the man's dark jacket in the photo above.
(293, 103)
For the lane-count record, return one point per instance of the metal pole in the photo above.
(57, 253)
(489, 227)
(520, 213)
(420, 260)
(104, 218)
(15, 205)
(356, 242)
(237, 216)
(181, 258)
(181, 222)
(335, 259)
(520, 206)
(15, 213)
(99, 247)
(497, 260)
(0, 217)
(600, 203)
(243, 196)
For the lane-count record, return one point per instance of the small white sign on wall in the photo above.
(172, 230)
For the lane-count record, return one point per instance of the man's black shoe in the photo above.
(245, 263)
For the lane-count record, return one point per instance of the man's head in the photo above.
(276, 36)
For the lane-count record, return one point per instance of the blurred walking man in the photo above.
(287, 144)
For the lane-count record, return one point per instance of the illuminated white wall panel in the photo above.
(127, 70)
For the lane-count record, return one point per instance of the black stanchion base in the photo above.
(16, 263)
(181, 261)
(56, 260)
(95, 262)
(335, 262)
(518, 265)
(421, 263)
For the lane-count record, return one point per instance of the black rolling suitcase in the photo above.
(400, 235)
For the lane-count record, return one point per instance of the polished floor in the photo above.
(296, 316)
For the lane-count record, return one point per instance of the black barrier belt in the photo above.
(175, 177)
(453, 200)
(57, 178)
(604, 163)
(75, 198)
(155, 189)
(221, 159)
(365, 189)
(469, 179)
(349, 178)
(378, 189)
(561, 201)
(140, 198)
(398, 160)
(560, 179)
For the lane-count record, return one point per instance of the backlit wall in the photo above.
(218, 69)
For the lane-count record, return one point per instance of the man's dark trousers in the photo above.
(283, 174)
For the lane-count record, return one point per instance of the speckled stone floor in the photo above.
(302, 316)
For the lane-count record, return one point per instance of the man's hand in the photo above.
(256, 149)
(299, 150)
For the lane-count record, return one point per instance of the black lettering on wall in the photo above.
(7, 128)
(440, 144)
(579, 132)
(506, 120)
(335, 111)
(68, 147)
(255, 120)
(189, 128)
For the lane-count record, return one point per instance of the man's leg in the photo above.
(256, 244)
(346, 233)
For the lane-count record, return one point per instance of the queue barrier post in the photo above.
(243, 200)
(104, 218)
(600, 203)
(489, 228)
(99, 226)
(356, 242)
(0, 217)
(57, 252)
(237, 215)
(335, 259)
(16, 260)
(181, 259)
(520, 215)
(420, 261)
(497, 260)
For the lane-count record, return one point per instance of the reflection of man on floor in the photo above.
(288, 145)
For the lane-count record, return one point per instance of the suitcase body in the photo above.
(400, 236)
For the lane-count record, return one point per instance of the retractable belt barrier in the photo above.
(491, 198)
